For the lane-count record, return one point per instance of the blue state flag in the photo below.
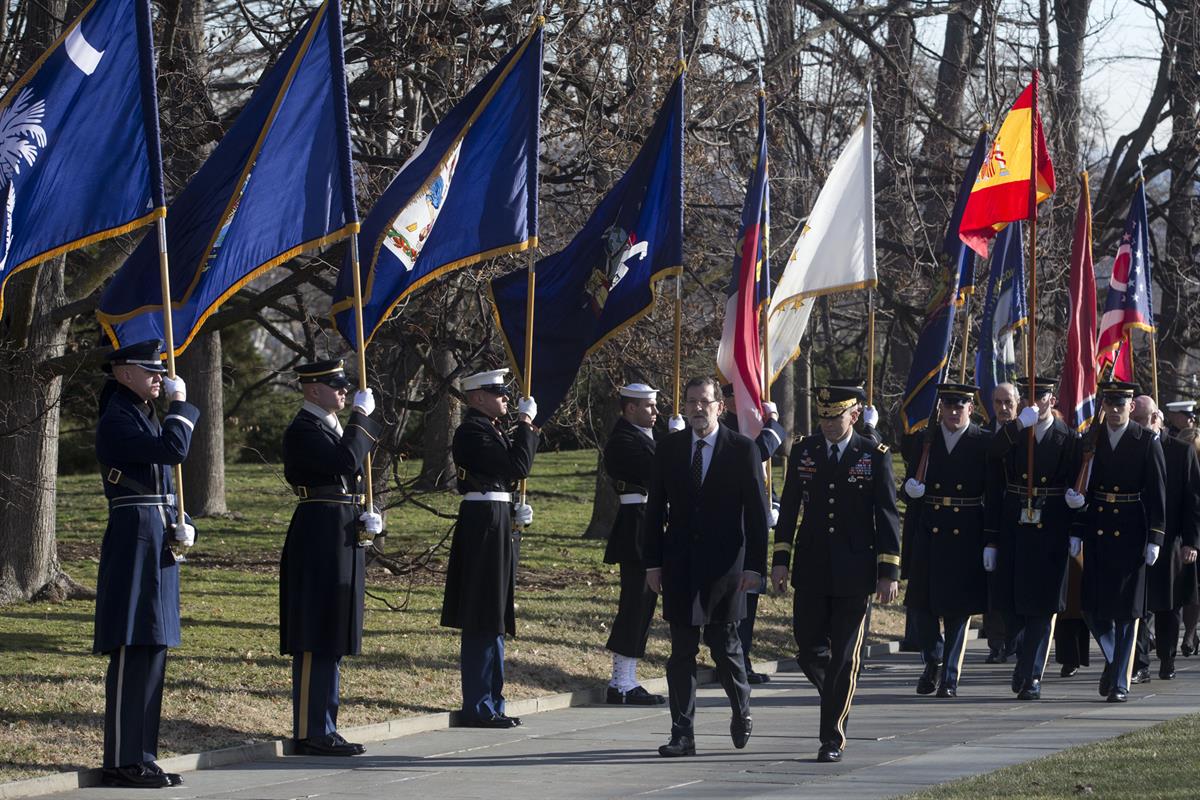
(479, 166)
(603, 281)
(1004, 311)
(932, 353)
(279, 183)
(79, 151)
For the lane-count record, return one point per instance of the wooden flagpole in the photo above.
(530, 260)
(1029, 516)
(164, 274)
(361, 353)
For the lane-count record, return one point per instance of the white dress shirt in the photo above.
(705, 454)
(841, 443)
(951, 437)
(1039, 430)
(1115, 436)
(328, 418)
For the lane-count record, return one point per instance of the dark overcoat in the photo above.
(137, 589)
(628, 460)
(1032, 559)
(481, 574)
(945, 557)
(322, 568)
(1115, 530)
(704, 538)
(849, 535)
(1170, 583)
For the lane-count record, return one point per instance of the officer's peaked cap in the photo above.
(492, 380)
(331, 373)
(147, 355)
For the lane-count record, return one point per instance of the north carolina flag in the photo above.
(1077, 393)
(1127, 305)
(739, 356)
(1003, 190)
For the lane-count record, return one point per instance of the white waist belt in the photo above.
(632, 499)
(487, 497)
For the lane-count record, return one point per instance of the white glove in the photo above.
(1074, 499)
(1151, 553)
(364, 401)
(527, 405)
(1075, 547)
(173, 386)
(1028, 417)
(676, 423)
(989, 559)
(773, 516)
(185, 534)
(523, 515)
(770, 409)
(914, 488)
(870, 416)
(372, 522)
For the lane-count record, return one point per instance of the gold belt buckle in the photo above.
(302, 491)
(946, 501)
(1110, 498)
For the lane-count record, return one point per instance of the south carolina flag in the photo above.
(1003, 190)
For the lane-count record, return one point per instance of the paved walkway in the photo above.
(899, 743)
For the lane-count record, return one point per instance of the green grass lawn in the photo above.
(1158, 762)
(227, 683)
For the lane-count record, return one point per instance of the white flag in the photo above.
(836, 249)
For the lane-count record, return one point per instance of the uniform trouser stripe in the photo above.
(1050, 638)
(305, 681)
(855, 663)
(962, 650)
(133, 685)
(1132, 652)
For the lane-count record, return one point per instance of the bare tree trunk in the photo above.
(437, 469)
(204, 469)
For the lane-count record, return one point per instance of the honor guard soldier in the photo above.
(1122, 528)
(1171, 581)
(846, 548)
(321, 571)
(768, 440)
(1032, 535)
(946, 578)
(628, 460)
(137, 589)
(481, 575)
(1180, 415)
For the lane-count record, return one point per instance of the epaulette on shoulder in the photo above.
(881, 447)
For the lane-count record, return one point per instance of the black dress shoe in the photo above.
(946, 690)
(1166, 670)
(494, 721)
(326, 746)
(1032, 690)
(1067, 671)
(1118, 695)
(173, 778)
(1187, 649)
(1017, 682)
(1106, 680)
(637, 696)
(337, 737)
(927, 683)
(513, 722)
(757, 677)
(134, 776)
(678, 746)
(1140, 676)
(739, 730)
(828, 754)
(993, 657)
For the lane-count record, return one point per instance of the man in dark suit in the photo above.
(1122, 527)
(1001, 625)
(946, 578)
(1031, 535)
(847, 547)
(137, 589)
(628, 461)
(706, 544)
(768, 440)
(322, 568)
(481, 574)
(1171, 581)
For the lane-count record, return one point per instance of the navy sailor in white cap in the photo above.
(481, 575)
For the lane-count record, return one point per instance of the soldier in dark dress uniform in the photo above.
(1035, 546)
(321, 570)
(846, 549)
(1171, 582)
(1179, 415)
(768, 440)
(1180, 418)
(946, 578)
(137, 589)
(481, 574)
(628, 461)
(1120, 531)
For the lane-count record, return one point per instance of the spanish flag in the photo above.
(1003, 190)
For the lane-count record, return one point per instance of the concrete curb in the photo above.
(380, 731)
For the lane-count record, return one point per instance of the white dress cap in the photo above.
(1180, 405)
(638, 391)
(480, 380)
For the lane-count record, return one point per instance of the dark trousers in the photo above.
(1034, 645)
(933, 650)
(315, 691)
(745, 628)
(1003, 629)
(133, 688)
(1071, 642)
(1166, 638)
(829, 634)
(726, 649)
(635, 612)
(482, 659)
(1116, 640)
